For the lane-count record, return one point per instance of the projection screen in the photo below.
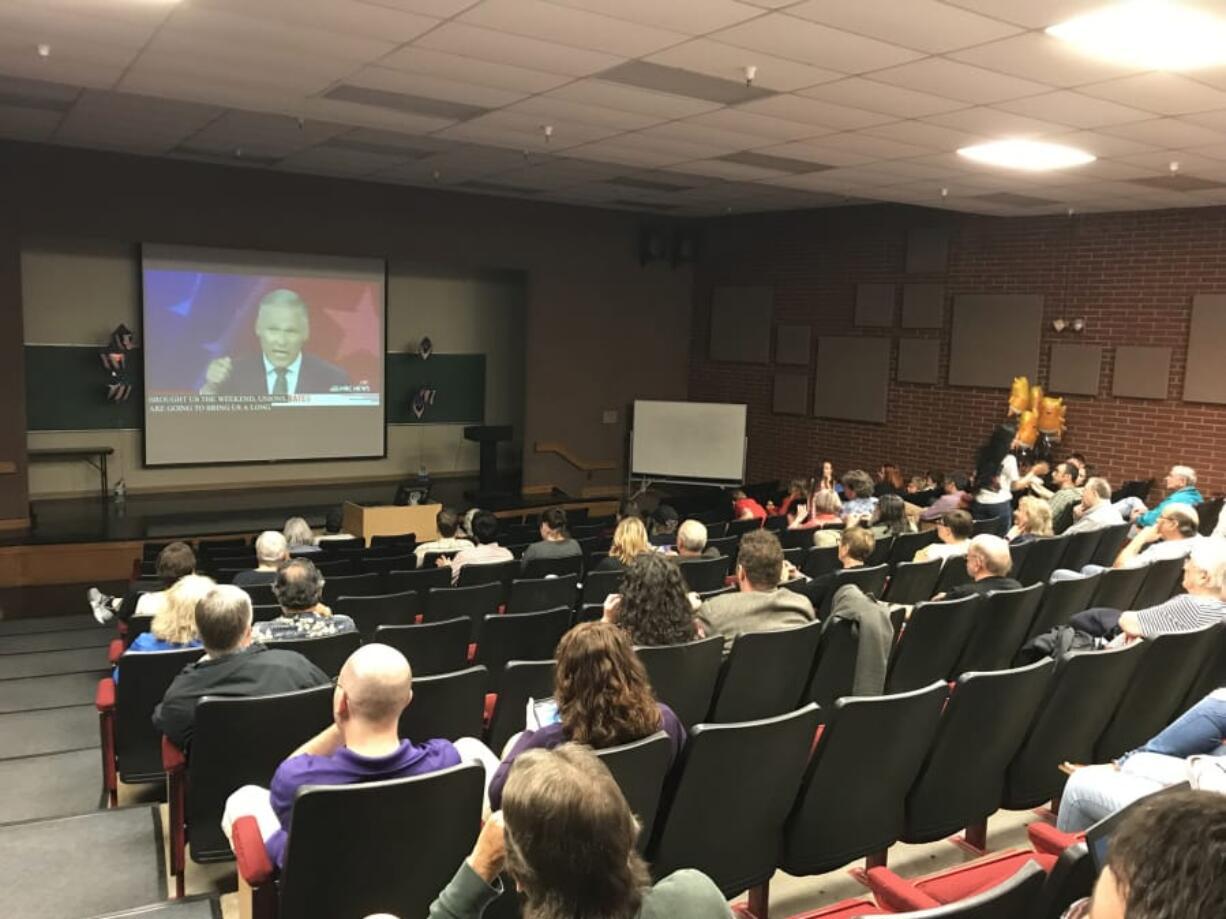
(689, 442)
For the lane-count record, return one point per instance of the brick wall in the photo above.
(1131, 275)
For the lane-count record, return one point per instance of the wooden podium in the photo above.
(391, 520)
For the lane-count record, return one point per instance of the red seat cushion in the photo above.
(1046, 838)
(844, 909)
(980, 875)
(897, 894)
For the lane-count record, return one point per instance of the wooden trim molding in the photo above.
(14, 523)
(560, 449)
(8, 467)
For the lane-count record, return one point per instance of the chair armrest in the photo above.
(254, 865)
(104, 695)
(173, 759)
(897, 894)
(114, 651)
(1047, 839)
(104, 701)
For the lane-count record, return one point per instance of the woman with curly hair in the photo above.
(629, 541)
(890, 518)
(653, 607)
(604, 699)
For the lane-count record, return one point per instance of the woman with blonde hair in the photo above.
(1031, 520)
(629, 540)
(174, 626)
(299, 537)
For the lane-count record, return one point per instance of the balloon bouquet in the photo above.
(1040, 417)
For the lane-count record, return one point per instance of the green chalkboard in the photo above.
(66, 389)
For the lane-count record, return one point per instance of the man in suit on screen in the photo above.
(283, 325)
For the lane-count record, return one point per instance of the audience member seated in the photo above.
(760, 604)
(175, 561)
(1095, 511)
(231, 666)
(745, 507)
(664, 522)
(628, 507)
(827, 480)
(654, 605)
(1190, 749)
(954, 531)
(271, 552)
(856, 544)
(692, 541)
(362, 745)
(629, 542)
(299, 588)
(1173, 536)
(988, 563)
(798, 493)
(953, 497)
(334, 527)
(447, 522)
(486, 551)
(889, 481)
(1031, 520)
(554, 799)
(823, 509)
(299, 538)
(858, 500)
(555, 541)
(603, 700)
(890, 518)
(1181, 489)
(1078, 461)
(1204, 579)
(1066, 496)
(174, 626)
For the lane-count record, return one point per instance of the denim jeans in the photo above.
(1201, 729)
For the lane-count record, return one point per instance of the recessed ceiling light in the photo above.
(1148, 35)
(1030, 155)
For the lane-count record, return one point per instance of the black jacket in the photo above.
(981, 587)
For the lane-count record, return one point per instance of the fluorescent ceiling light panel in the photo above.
(1148, 35)
(1027, 155)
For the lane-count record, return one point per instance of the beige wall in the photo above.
(598, 329)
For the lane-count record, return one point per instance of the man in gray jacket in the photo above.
(760, 604)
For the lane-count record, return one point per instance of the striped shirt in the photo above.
(1184, 613)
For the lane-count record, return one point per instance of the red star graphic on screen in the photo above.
(359, 327)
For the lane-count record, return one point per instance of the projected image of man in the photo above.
(283, 326)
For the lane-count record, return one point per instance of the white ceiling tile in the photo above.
(811, 43)
(130, 122)
(524, 132)
(815, 153)
(64, 25)
(577, 28)
(20, 123)
(549, 108)
(338, 162)
(1074, 109)
(413, 59)
(1034, 14)
(613, 151)
(1158, 162)
(698, 133)
(1037, 56)
(226, 68)
(718, 59)
(516, 50)
(397, 81)
(1162, 93)
(1103, 144)
(838, 181)
(868, 145)
(678, 148)
(814, 111)
(694, 17)
(1214, 120)
(925, 135)
(861, 93)
(1166, 133)
(992, 121)
(763, 126)
(348, 17)
(261, 134)
(632, 99)
(368, 116)
(443, 9)
(956, 80)
(928, 25)
(725, 170)
(18, 61)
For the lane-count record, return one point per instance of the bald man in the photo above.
(283, 326)
(987, 562)
(362, 745)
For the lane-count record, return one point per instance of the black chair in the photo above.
(794, 557)
(993, 526)
(431, 559)
(716, 529)
(531, 596)
(639, 768)
(931, 643)
(395, 582)
(704, 574)
(953, 574)
(1162, 579)
(982, 727)
(382, 564)
(913, 582)
(733, 838)
(775, 523)
(369, 613)
(800, 538)
(1080, 700)
(353, 585)
(1018, 554)
(599, 584)
(1000, 629)
(739, 528)
(261, 595)
(328, 652)
(837, 819)
(447, 705)
(520, 637)
(1042, 559)
(708, 594)
(143, 680)
(475, 602)
(870, 580)
(907, 544)
(1080, 549)
(335, 568)
(488, 573)
(881, 552)
(214, 545)
(819, 560)
(834, 664)
(399, 539)
(559, 567)
(1211, 675)
(725, 545)
(430, 647)
(226, 575)
(342, 544)
(683, 676)
(1111, 539)
(1118, 587)
(259, 613)
(359, 830)
(520, 680)
(765, 674)
(1153, 695)
(1061, 601)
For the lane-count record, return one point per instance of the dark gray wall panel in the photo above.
(741, 320)
(875, 304)
(1204, 380)
(923, 306)
(1075, 370)
(995, 338)
(927, 250)
(791, 394)
(1141, 373)
(919, 360)
(853, 378)
(792, 343)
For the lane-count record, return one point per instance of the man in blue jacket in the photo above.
(1181, 489)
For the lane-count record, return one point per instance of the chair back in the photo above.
(446, 705)
(799, 538)
(1110, 541)
(358, 832)
(352, 585)
(834, 665)
(559, 567)
(953, 574)
(241, 741)
(741, 848)
(382, 564)
(1080, 700)
(931, 642)
(420, 580)
(535, 594)
(501, 573)
(819, 560)
(1152, 697)
(138, 625)
(994, 526)
(369, 613)
(1000, 629)
(1080, 549)
(1162, 579)
(520, 637)
(397, 539)
(851, 800)
(1042, 559)
(335, 568)
(1211, 675)
(430, 647)
(1018, 554)
(328, 653)
(725, 545)
(261, 595)
(947, 795)
(1118, 588)
(741, 527)
(1071, 878)
(260, 613)
(703, 574)
(683, 676)
(430, 559)
(765, 674)
(913, 582)
(144, 678)
(1061, 601)
(519, 680)
(639, 768)
(907, 544)
(475, 602)
(870, 580)
(599, 584)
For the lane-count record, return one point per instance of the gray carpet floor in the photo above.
(56, 641)
(54, 785)
(192, 908)
(82, 866)
(53, 730)
(50, 663)
(49, 691)
(53, 624)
